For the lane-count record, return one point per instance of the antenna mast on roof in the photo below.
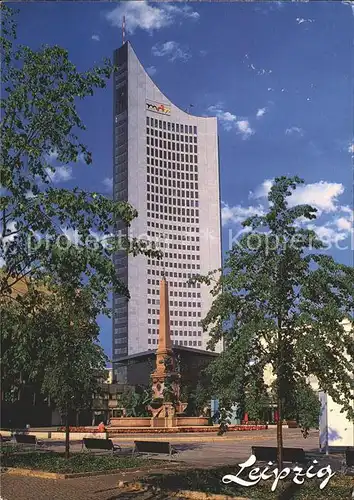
(123, 30)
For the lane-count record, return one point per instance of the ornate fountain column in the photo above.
(165, 415)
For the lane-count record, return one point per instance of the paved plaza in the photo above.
(194, 451)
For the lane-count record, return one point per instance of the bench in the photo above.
(27, 439)
(100, 444)
(5, 439)
(154, 448)
(348, 464)
(269, 454)
(349, 457)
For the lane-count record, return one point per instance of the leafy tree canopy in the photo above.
(282, 302)
(39, 120)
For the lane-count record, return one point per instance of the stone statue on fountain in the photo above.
(165, 378)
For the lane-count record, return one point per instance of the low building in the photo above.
(136, 369)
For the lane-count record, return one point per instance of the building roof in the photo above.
(177, 349)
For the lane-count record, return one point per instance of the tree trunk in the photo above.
(279, 435)
(279, 398)
(67, 435)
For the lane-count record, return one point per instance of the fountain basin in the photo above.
(148, 422)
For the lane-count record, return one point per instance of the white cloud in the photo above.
(301, 20)
(72, 235)
(351, 148)
(321, 195)
(337, 229)
(230, 121)
(203, 53)
(96, 38)
(350, 4)
(244, 128)
(328, 234)
(172, 50)
(148, 17)
(226, 118)
(261, 112)
(29, 195)
(151, 70)
(11, 227)
(60, 174)
(238, 214)
(346, 209)
(344, 223)
(108, 184)
(52, 156)
(294, 130)
(262, 191)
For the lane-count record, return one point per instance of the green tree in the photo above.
(58, 347)
(128, 400)
(135, 400)
(39, 119)
(302, 405)
(282, 301)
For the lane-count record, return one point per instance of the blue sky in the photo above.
(279, 76)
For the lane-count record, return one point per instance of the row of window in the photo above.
(179, 184)
(171, 218)
(174, 303)
(165, 237)
(176, 265)
(172, 284)
(182, 334)
(120, 340)
(173, 174)
(121, 76)
(151, 132)
(174, 127)
(168, 155)
(173, 202)
(168, 209)
(180, 201)
(176, 202)
(120, 159)
(169, 227)
(179, 246)
(169, 146)
(164, 190)
(189, 314)
(194, 295)
(177, 256)
(121, 350)
(178, 323)
(156, 182)
(189, 343)
(171, 166)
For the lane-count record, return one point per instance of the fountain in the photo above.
(166, 408)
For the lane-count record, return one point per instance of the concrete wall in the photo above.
(336, 430)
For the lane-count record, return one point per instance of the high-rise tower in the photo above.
(166, 165)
